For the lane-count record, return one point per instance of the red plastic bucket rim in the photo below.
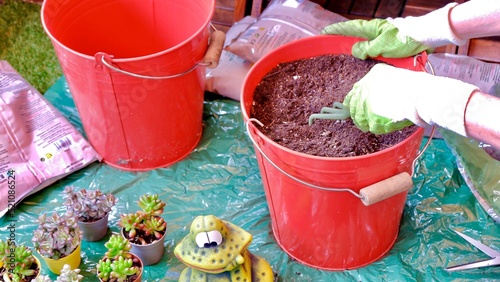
(133, 59)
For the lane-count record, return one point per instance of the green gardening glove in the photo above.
(383, 39)
(389, 117)
(388, 98)
(399, 37)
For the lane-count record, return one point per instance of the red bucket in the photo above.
(133, 70)
(323, 228)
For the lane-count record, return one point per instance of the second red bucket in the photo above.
(133, 69)
(314, 224)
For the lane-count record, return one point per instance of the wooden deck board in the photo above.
(364, 8)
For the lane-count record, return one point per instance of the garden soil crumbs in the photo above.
(292, 91)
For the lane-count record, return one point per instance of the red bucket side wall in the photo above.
(134, 123)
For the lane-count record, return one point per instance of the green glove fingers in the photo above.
(358, 102)
(359, 28)
(383, 39)
(354, 101)
(387, 45)
(382, 125)
(366, 120)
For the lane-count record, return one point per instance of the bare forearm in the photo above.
(476, 18)
(482, 118)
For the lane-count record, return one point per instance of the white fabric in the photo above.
(418, 96)
(432, 29)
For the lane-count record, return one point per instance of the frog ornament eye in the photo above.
(208, 239)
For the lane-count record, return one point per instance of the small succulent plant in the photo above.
(67, 275)
(17, 262)
(117, 246)
(88, 205)
(57, 235)
(146, 225)
(118, 263)
(151, 204)
(104, 269)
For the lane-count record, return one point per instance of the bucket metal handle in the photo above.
(368, 195)
(210, 60)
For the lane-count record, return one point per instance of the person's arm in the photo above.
(482, 118)
(387, 97)
(404, 37)
(475, 18)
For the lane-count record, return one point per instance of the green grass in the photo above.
(26, 46)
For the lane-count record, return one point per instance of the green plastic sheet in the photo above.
(221, 177)
(480, 170)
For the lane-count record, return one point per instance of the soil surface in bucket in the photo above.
(292, 91)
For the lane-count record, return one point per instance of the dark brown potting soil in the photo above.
(142, 238)
(292, 91)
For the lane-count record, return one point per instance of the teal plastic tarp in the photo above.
(221, 177)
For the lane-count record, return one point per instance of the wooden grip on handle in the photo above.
(214, 51)
(386, 188)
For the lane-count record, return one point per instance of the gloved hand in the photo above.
(399, 37)
(389, 98)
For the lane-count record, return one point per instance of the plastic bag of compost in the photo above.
(38, 146)
(478, 162)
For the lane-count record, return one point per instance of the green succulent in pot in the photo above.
(118, 264)
(57, 239)
(17, 262)
(91, 208)
(146, 225)
(146, 229)
(118, 246)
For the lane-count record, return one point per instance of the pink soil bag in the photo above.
(38, 146)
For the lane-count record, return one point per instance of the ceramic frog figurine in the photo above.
(216, 250)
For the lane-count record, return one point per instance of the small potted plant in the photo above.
(58, 240)
(17, 263)
(146, 229)
(91, 208)
(118, 263)
(67, 275)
